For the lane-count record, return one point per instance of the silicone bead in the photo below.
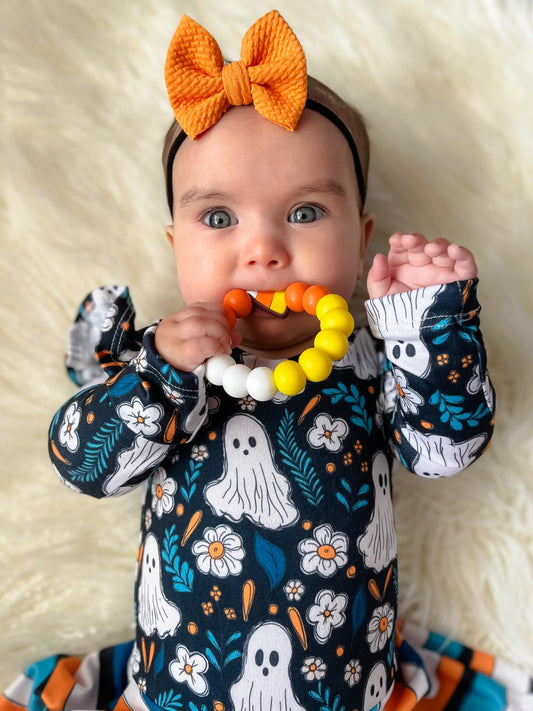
(216, 367)
(328, 302)
(261, 385)
(315, 364)
(333, 342)
(289, 377)
(294, 295)
(339, 319)
(311, 298)
(240, 301)
(234, 380)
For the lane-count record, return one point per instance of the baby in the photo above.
(267, 568)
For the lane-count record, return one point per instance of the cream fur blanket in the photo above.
(447, 91)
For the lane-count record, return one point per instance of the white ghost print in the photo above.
(376, 688)
(198, 414)
(156, 614)
(361, 356)
(265, 682)
(397, 319)
(251, 484)
(439, 455)
(378, 543)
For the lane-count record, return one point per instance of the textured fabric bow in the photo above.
(271, 75)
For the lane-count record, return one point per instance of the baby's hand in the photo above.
(413, 262)
(189, 337)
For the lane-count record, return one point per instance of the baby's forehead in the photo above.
(245, 141)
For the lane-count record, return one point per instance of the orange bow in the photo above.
(271, 74)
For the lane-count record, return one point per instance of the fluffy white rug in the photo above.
(447, 91)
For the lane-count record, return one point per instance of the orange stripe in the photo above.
(61, 683)
(482, 662)
(401, 699)
(449, 673)
(121, 705)
(6, 705)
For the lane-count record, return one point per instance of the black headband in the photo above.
(310, 104)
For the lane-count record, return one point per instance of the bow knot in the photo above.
(237, 83)
(271, 75)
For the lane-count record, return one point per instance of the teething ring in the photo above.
(288, 377)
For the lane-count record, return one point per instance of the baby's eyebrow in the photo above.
(328, 185)
(195, 194)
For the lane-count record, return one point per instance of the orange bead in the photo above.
(311, 298)
(294, 295)
(239, 301)
(231, 316)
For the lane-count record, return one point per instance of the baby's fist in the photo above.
(414, 262)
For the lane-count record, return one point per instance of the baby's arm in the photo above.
(414, 262)
(110, 437)
(437, 402)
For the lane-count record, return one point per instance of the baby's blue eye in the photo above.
(306, 213)
(219, 219)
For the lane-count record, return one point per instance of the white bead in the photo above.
(261, 385)
(216, 367)
(234, 380)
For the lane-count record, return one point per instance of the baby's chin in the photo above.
(278, 337)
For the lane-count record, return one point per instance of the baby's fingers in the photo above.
(465, 263)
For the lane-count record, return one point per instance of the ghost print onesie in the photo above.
(267, 575)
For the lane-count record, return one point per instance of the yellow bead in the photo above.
(315, 364)
(329, 302)
(339, 319)
(289, 377)
(333, 341)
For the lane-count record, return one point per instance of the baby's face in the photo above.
(258, 207)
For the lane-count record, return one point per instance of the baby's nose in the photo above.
(266, 250)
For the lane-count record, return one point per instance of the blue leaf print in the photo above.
(182, 573)
(360, 418)
(271, 559)
(358, 610)
(343, 500)
(298, 461)
(191, 475)
(323, 697)
(211, 637)
(169, 700)
(233, 638)
(231, 656)
(159, 664)
(124, 385)
(98, 452)
(211, 656)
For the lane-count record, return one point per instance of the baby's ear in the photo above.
(169, 231)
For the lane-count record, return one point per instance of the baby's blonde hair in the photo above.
(320, 97)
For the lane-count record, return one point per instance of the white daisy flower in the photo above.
(188, 668)
(327, 613)
(409, 398)
(313, 669)
(139, 418)
(163, 490)
(352, 672)
(327, 432)
(219, 552)
(199, 453)
(325, 553)
(294, 590)
(380, 627)
(68, 432)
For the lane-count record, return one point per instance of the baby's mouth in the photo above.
(270, 302)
